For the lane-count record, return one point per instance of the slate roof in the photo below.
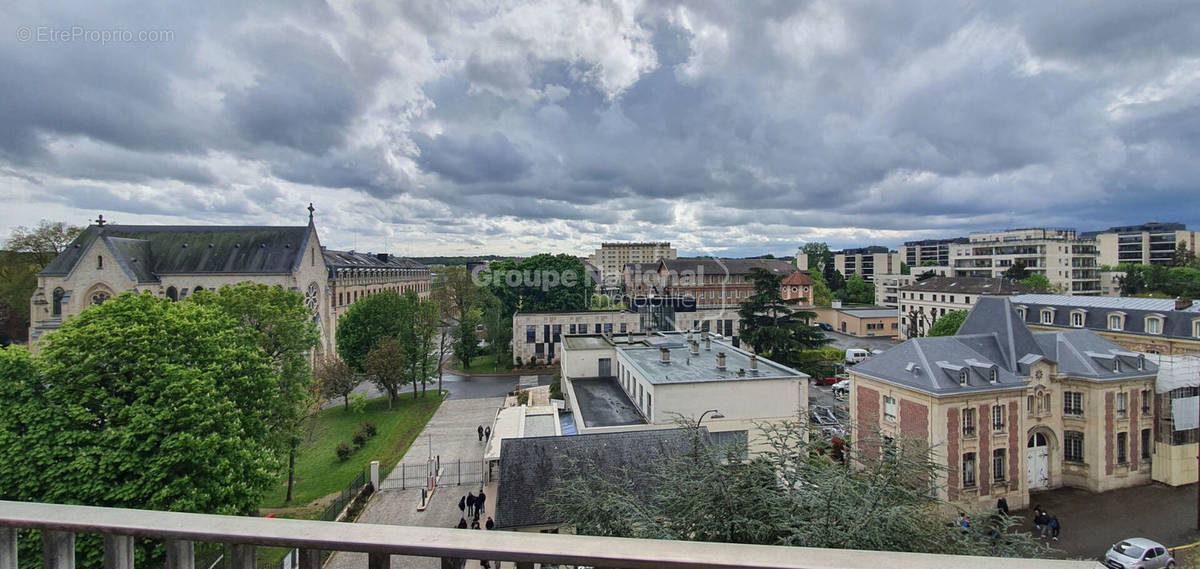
(969, 285)
(798, 279)
(147, 251)
(354, 260)
(727, 266)
(1176, 323)
(530, 466)
(993, 337)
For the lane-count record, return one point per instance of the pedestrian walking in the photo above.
(1043, 524)
(1002, 505)
(492, 525)
(480, 431)
(462, 523)
(480, 505)
(1037, 518)
(1054, 527)
(487, 433)
(462, 506)
(470, 504)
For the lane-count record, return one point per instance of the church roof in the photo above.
(147, 251)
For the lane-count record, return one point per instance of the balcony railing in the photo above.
(180, 532)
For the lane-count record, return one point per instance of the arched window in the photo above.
(99, 261)
(56, 302)
(172, 293)
(197, 289)
(99, 297)
(1154, 325)
(962, 376)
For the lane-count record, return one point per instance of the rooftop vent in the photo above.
(721, 361)
(664, 355)
(753, 362)
(695, 347)
(382, 257)
(1183, 303)
(707, 343)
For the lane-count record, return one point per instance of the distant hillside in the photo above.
(457, 261)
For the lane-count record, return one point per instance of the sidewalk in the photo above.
(453, 434)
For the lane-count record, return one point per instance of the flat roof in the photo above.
(586, 342)
(870, 312)
(603, 403)
(686, 367)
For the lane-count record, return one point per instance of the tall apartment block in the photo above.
(611, 258)
(1068, 261)
(1146, 244)
(917, 253)
(867, 261)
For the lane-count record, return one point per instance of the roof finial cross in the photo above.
(310, 212)
(100, 220)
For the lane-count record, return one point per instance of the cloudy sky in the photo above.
(733, 128)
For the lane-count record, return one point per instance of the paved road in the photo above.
(1091, 523)
(460, 386)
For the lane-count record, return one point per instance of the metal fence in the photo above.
(436, 471)
(343, 499)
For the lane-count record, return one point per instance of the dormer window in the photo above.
(1116, 365)
(1141, 361)
(1196, 328)
(1048, 316)
(1116, 321)
(994, 375)
(962, 376)
(1077, 319)
(1154, 325)
(1021, 313)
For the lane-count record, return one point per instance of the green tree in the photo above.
(336, 378)
(466, 343)
(1184, 257)
(819, 256)
(455, 290)
(796, 493)
(141, 403)
(1037, 281)
(386, 364)
(772, 324)
(26, 252)
(540, 283)
(498, 325)
(822, 296)
(366, 322)
(1016, 272)
(43, 242)
(859, 291)
(427, 323)
(905, 269)
(948, 324)
(835, 280)
(282, 327)
(929, 264)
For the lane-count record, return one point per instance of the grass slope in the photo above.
(320, 473)
(485, 364)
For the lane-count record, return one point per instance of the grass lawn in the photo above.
(319, 472)
(486, 364)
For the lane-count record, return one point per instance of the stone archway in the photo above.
(1042, 455)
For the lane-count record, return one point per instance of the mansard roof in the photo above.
(146, 252)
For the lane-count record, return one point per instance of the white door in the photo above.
(1037, 462)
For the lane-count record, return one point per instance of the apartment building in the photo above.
(1068, 261)
(1007, 411)
(887, 287)
(867, 261)
(1150, 243)
(937, 251)
(610, 259)
(924, 302)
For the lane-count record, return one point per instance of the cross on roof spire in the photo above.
(100, 220)
(310, 212)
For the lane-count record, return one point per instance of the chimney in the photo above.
(753, 362)
(382, 257)
(664, 355)
(1183, 303)
(707, 343)
(721, 361)
(695, 347)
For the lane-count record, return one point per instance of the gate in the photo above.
(435, 472)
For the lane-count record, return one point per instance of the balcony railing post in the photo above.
(8, 548)
(379, 560)
(452, 563)
(310, 559)
(58, 549)
(118, 551)
(244, 556)
(181, 554)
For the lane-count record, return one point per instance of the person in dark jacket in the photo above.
(1043, 524)
(492, 525)
(470, 504)
(487, 433)
(480, 508)
(1002, 505)
(475, 524)
(1037, 518)
(480, 431)
(462, 523)
(462, 506)
(1054, 527)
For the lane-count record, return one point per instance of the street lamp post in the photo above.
(716, 415)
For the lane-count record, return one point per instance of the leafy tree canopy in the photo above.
(1016, 272)
(773, 325)
(905, 269)
(466, 342)
(1037, 281)
(822, 296)
(43, 242)
(948, 324)
(819, 256)
(540, 283)
(859, 291)
(366, 322)
(1167, 281)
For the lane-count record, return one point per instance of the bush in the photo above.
(369, 428)
(519, 362)
(532, 361)
(358, 403)
(344, 451)
(556, 386)
(360, 439)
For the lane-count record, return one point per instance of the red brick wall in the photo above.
(1014, 445)
(952, 459)
(1135, 435)
(867, 401)
(1110, 439)
(985, 449)
(914, 420)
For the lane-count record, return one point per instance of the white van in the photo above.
(856, 355)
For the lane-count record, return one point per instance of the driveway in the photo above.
(1091, 523)
(459, 386)
(845, 341)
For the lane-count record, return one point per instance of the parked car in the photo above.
(823, 416)
(1138, 553)
(856, 355)
(828, 380)
(825, 326)
(841, 389)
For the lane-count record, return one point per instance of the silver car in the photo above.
(1138, 553)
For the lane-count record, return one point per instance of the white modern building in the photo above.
(1068, 261)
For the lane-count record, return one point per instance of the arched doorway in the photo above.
(1037, 461)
